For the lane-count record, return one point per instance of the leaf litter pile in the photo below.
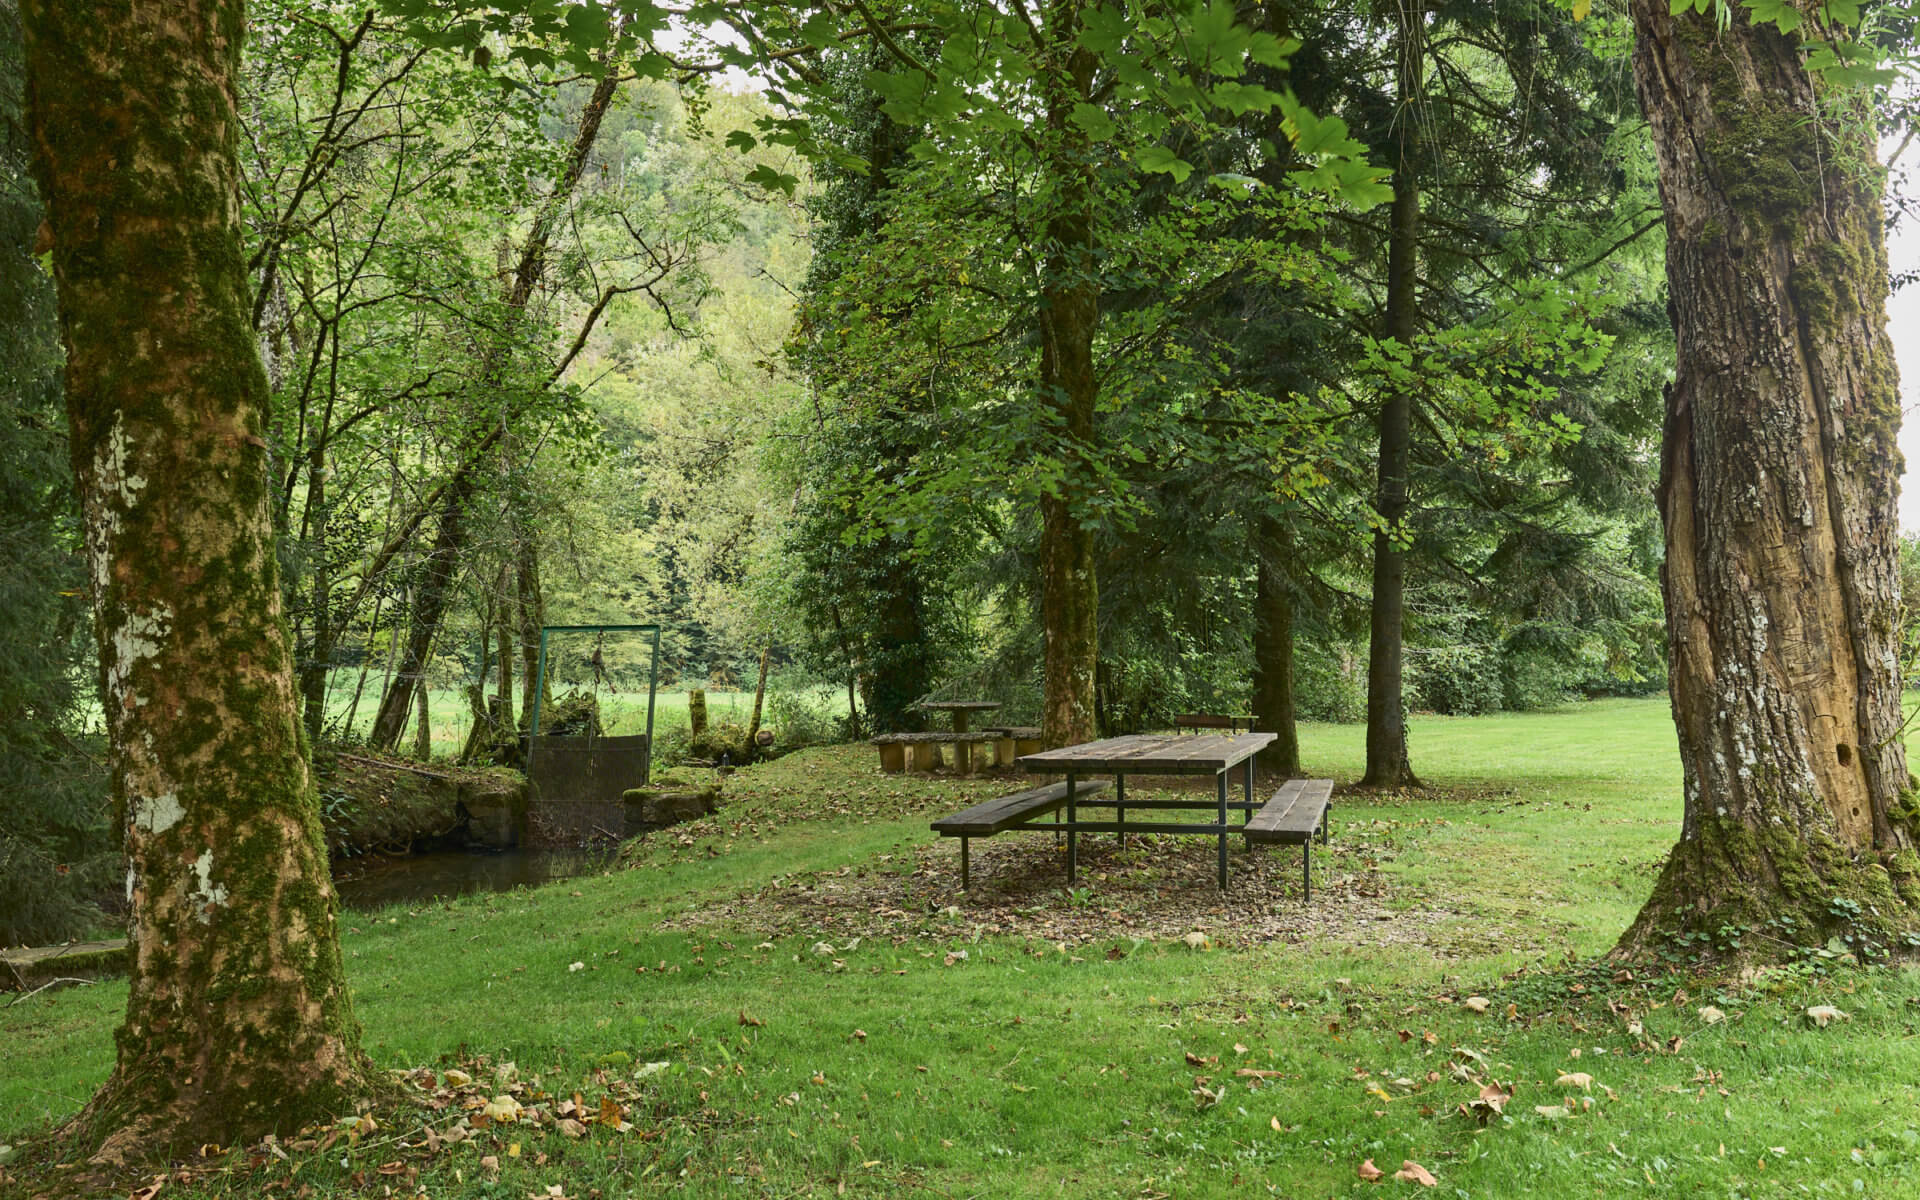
(467, 1121)
(1155, 886)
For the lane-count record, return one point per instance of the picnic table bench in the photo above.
(1214, 721)
(1002, 813)
(1295, 813)
(921, 751)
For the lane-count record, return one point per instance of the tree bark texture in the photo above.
(313, 672)
(237, 1020)
(1069, 318)
(1273, 646)
(1388, 765)
(1777, 491)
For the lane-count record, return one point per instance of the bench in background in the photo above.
(1296, 812)
(1008, 812)
(1213, 721)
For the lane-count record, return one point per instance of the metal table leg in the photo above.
(1220, 787)
(1073, 842)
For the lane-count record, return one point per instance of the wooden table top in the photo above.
(961, 705)
(1151, 753)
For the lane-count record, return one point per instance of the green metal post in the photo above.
(653, 683)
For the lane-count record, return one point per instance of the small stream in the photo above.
(374, 881)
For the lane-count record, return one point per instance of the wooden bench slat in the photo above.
(994, 816)
(1294, 814)
(935, 737)
(1212, 721)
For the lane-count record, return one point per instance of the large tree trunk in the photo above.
(1777, 491)
(237, 1020)
(1069, 317)
(1273, 645)
(1388, 765)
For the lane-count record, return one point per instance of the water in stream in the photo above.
(375, 881)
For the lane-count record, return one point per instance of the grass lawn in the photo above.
(622, 710)
(794, 998)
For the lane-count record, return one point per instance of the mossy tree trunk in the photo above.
(1069, 319)
(1388, 764)
(237, 1020)
(1777, 492)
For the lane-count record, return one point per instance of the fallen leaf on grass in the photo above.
(1195, 1060)
(1413, 1172)
(612, 1115)
(1825, 1014)
(571, 1127)
(1369, 1173)
(1579, 1079)
(1256, 1073)
(1709, 1015)
(1477, 1004)
(1492, 1102)
(755, 1022)
(1551, 1112)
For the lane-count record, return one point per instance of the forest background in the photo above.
(562, 347)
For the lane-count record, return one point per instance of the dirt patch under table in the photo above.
(1159, 886)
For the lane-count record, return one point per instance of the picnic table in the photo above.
(961, 710)
(1155, 754)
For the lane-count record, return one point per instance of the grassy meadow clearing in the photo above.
(622, 711)
(795, 998)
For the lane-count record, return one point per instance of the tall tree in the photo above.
(451, 535)
(1387, 762)
(1777, 489)
(238, 1019)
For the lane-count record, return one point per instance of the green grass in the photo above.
(622, 711)
(1050, 1063)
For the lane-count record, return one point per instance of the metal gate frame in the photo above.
(540, 683)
